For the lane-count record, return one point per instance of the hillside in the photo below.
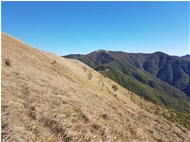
(170, 69)
(144, 74)
(49, 98)
(157, 77)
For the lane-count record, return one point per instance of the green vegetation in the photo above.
(156, 77)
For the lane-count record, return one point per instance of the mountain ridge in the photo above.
(186, 57)
(157, 71)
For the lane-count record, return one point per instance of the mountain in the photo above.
(158, 77)
(186, 57)
(49, 98)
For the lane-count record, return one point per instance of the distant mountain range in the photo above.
(158, 77)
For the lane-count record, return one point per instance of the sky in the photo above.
(82, 27)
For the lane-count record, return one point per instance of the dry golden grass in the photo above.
(49, 98)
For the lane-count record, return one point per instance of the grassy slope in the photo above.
(49, 98)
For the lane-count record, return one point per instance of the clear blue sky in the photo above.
(82, 27)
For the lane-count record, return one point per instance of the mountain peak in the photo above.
(160, 53)
(186, 57)
(101, 50)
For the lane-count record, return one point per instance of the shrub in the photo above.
(89, 76)
(54, 62)
(85, 118)
(115, 88)
(104, 75)
(105, 116)
(8, 62)
(84, 69)
(32, 113)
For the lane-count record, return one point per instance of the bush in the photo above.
(89, 76)
(54, 62)
(8, 62)
(32, 112)
(115, 88)
(105, 116)
(84, 68)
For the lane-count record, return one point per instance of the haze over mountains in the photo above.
(49, 98)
